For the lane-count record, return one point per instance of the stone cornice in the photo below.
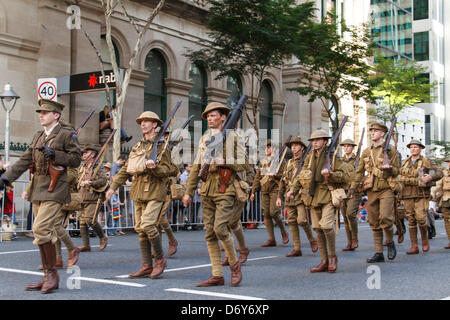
(179, 87)
(218, 93)
(18, 46)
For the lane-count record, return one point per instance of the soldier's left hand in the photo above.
(426, 178)
(325, 172)
(150, 164)
(49, 153)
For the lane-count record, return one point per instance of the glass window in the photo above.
(197, 95)
(266, 111)
(420, 9)
(334, 105)
(155, 94)
(421, 46)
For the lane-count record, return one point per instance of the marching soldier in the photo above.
(54, 147)
(380, 185)
(416, 174)
(443, 194)
(351, 206)
(269, 192)
(149, 191)
(296, 210)
(91, 190)
(319, 182)
(218, 198)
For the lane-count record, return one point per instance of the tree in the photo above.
(109, 8)
(337, 65)
(397, 85)
(248, 37)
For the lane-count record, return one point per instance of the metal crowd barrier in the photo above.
(180, 218)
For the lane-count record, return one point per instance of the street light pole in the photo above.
(8, 95)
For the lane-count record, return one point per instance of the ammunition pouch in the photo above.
(177, 191)
(242, 190)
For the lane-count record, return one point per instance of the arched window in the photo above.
(266, 112)
(197, 95)
(155, 92)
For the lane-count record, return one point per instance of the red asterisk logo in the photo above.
(92, 80)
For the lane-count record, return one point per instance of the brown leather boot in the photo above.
(225, 262)
(73, 257)
(355, 244)
(172, 247)
(59, 264)
(322, 267)
(85, 249)
(103, 243)
(285, 237)
(269, 243)
(51, 282)
(348, 247)
(243, 254)
(144, 271)
(401, 238)
(38, 285)
(159, 268)
(211, 281)
(236, 274)
(314, 246)
(447, 246)
(414, 248)
(332, 264)
(294, 253)
(425, 242)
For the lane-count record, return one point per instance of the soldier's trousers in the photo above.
(350, 213)
(88, 218)
(217, 215)
(235, 224)
(146, 215)
(46, 213)
(416, 211)
(380, 210)
(62, 233)
(298, 216)
(163, 222)
(446, 214)
(323, 219)
(271, 213)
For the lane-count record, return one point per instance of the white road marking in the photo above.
(214, 294)
(199, 266)
(37, 250)
(130, 284)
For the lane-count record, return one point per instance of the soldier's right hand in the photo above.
(187, 199)
(290, 194)
(351, 192)
(252, 197)
(109, 194)
(278, 202)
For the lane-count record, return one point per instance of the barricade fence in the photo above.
(116, 214)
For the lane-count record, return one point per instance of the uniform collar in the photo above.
(48, 132)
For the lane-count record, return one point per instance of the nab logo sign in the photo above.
(92, 81)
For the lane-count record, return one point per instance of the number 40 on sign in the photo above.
(47, 89)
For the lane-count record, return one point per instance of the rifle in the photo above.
(387, 141)
(77, 130)
(301, 161)
(334, 141)
(174, 141)
(96, 163)
(154, 154)
(219, 139)
(358, 152)
(272, 170)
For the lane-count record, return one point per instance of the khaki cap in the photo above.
(378, 126)
(417, 142)
(92, 147)
(214, 106)
(348, 141)
(50, 106)
(317, 134)
(148, 115)
(295, 139)
(107, 165)
(447, 159)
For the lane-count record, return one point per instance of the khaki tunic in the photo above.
(268, 184)
(443, 194)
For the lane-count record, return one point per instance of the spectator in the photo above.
(184, 176)
(117, 165)
(115, 215)
(106, 122)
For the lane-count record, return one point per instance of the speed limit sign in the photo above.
(47, 89)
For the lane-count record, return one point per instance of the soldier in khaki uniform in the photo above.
(269, 192)
(380, 185)
(443, 194)
(218, 198)
(414, 174)
(92, 195)
(149, 191)
(54, 146)
(313, 178)
(296, 210)
(351, 206)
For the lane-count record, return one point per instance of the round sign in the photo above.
(47, 90)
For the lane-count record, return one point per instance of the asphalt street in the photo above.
(268, 274)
